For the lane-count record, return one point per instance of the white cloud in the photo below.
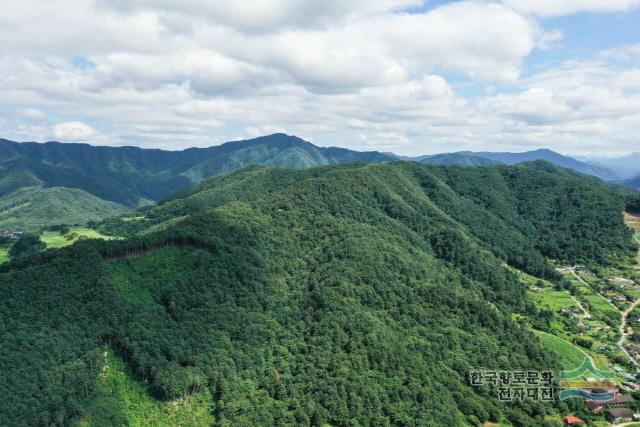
(547, 8)
(366, 74)
(33, 114)
(74, 131)
(265, 15)
(550, 40)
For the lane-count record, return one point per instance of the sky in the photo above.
(405, 76)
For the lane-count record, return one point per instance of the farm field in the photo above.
(54, 239)
(552, 299)
(571, 357)
(598, 304)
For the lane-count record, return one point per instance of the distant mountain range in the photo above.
(130, 177)
(119, 179)
(626, 167)
(483, 158)
(457, 159)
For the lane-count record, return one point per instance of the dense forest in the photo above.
(343, 295)
(52, 183)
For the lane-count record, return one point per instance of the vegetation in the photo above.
(27, 244)
(570, 356)
(4, 253)
(133, 176)
(33, 208)
(63, 236)
(344, 295)
(122, 400)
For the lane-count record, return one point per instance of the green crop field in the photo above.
(570, 356)
(552, 300)
(598, 304)
(54, 239)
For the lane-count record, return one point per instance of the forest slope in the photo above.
(32, 208)
(355, 294)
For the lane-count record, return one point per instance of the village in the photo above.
(594, 315)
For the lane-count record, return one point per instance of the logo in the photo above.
(587, 382)
(512, 386)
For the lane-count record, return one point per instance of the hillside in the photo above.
(599, 171)
(134, 177)
(626, 167)
(457, 159)
(632, 182)
(131, 175)
(346, 294)
(32, 208)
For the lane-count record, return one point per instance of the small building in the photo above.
(599, 391)
(572, 421)
(620, 298)
(619, 415)
(15, 235)
(616, 401)
(631, 385)
(633, 348)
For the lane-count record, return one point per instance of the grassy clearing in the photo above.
(552, 299)
(122, 400)
(54, 239)
(144, 279)
(570, 356)
(4, 254)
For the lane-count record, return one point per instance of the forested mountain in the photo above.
(632, 182)
(457, 159)
(133, 176)
(486, 158)
(626, 167)
(349, 295)
(507, 158)
(32, 208)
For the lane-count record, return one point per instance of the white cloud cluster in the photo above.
(263, 15)
(548, 8)
(73, 131)
(368, 74)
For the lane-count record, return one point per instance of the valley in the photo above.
(591, 314)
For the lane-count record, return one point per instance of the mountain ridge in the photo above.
(348, 293)
(134, 176)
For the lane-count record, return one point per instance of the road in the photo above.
(587, 315)
(581, 280)
(623, 332)
(623, 318)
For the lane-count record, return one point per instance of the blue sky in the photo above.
(406, 76)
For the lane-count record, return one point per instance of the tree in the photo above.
(26, 245)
